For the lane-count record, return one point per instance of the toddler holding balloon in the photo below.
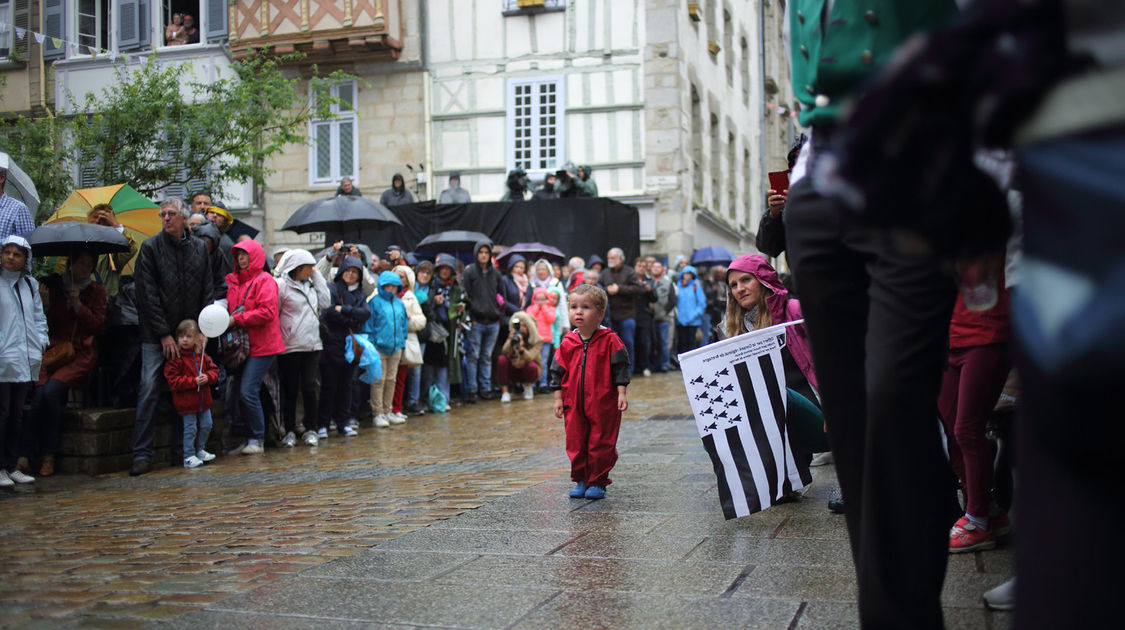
(190, 377)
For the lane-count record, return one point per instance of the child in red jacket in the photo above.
(589, 376)
(190, 377)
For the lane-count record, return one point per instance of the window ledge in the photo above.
(532, 11)
(8, 63)
(171, 53)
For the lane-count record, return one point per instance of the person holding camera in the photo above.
(519, 357)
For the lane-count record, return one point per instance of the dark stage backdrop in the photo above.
(577, 227)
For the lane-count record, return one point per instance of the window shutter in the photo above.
(54, 18)
(144, 23)
(216, 21)
(21, 18)
(128, 24)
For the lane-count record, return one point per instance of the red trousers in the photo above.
(591, 445)
(506, 374)
(969, 390)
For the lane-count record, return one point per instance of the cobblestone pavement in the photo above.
(454, 520)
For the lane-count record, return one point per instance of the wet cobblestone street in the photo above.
(450, 520)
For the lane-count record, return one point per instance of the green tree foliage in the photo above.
(154, 127)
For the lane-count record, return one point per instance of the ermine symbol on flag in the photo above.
(751, 453)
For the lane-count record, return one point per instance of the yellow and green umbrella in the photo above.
(138, 214)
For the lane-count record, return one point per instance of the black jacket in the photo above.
(481, 288)
(770, 239)
(174, 282)
(624, 304)
(336, 326)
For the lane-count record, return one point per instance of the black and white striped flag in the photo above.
(737, 392)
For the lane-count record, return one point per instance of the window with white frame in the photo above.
(126, 25)
(9, 27)
(333, 151)
(535, 124)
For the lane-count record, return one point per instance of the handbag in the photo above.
(59, 354)
(234, 344)
(412, 352)
(434, 332)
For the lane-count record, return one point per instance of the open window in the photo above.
(186, 22)
(127, 25)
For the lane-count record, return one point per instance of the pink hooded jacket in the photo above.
(782, 309)
(256, 291)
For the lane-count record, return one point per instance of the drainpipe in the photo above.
(427, 120)
(761, 93)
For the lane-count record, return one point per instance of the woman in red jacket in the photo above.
(252, 303)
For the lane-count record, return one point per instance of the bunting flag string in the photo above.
(58, 43)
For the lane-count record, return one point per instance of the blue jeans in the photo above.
(250, 390)
(196, 441)
(627, 330)
(662, 328)
(413, 385)
(148, 392)
(434, 375)
(706, 328)
(544, 356)
(482, 337)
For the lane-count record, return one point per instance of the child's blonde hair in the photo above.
(594, 292)
(188, 325)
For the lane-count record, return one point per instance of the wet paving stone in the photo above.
(457, 520)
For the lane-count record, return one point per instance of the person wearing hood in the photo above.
(386, 327)
(222, 219)
(517, 286)
(221, 262)
(173, 282)
(758, 300)
(412, 350)
(454, 194)
(595, 263)
(302, 294)
(441, 361)
(519, 360)
(584, 182)
(547, 190)
(483, 289)
(329, 265)
(341, 316)
(75, 304)
(690, 304)
(397, 194)
(253, 305)
(23, 337)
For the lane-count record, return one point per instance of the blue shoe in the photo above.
(579, 490)
(595, 492)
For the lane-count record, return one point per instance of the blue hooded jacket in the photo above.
(386, 327)
(690, 300)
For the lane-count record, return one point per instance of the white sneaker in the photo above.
(505, 397)
(1002, 597)
(823, 459)
(5, 480)
(648, 372)
(382, 421)
(252, 448)
(322, 434)
(310, 438)
(193, 462)
(205, 456)
(528, 392)
(20, 477)
(396, 418)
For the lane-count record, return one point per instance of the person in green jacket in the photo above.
(877, 314)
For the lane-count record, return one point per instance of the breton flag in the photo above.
(736, 388)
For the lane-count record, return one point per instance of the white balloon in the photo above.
(213, 320)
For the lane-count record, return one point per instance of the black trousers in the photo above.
(335, 394)
(12, 396)
(878, 323)
(297, 372)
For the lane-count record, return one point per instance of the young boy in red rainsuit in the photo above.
(589, 376)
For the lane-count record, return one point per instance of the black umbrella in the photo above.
(452, 242)
(338, 214)
(239, 229)
(533, 252)
(66, 238)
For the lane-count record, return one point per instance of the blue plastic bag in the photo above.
(370, 366)
(438, 402)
